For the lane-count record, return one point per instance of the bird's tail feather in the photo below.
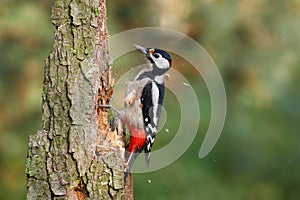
(147, 159)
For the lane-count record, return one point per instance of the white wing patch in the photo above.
(155, 96)
(153, 129)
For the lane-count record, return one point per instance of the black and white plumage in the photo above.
(152, 100)
(143, 101)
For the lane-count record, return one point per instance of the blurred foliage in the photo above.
(255, 45)
(26, 35)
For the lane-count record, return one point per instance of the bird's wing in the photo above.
(151, 99)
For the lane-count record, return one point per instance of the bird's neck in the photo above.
(152, 73)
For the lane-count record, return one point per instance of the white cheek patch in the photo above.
(164, 63)
(161, 62)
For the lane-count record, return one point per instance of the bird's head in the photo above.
(156, 57)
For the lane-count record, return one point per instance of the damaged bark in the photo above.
(76, 156)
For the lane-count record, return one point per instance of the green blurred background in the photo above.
(255, 45)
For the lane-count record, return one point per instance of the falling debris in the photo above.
(186, 84)
(168, 76)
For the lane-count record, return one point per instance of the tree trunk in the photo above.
(76, 155)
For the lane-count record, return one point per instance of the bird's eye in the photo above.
(156, 55)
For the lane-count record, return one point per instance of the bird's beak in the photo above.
(141, 49)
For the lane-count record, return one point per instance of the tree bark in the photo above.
(76, 155)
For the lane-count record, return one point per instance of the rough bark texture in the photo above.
(128, 194)
(76, 156)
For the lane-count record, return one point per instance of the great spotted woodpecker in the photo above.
(143, 101)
